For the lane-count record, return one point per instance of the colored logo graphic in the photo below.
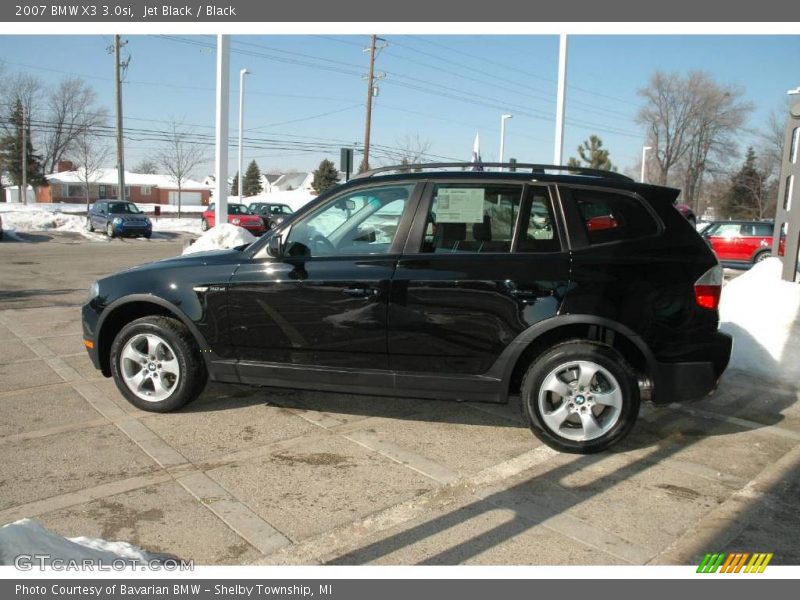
(736, 562)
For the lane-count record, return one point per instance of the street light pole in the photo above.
(503, 120)
(644, 159)
(242, 73)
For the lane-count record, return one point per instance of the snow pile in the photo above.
(760, 311)
(221, 237)
(40, 220)
(28, 537)
(187, 224)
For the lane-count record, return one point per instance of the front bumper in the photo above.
(133, 228)
(693, 379)
(89, 317)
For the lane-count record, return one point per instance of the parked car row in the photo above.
(257, 218)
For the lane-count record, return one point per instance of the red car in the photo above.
(742, 242)
(238, 214)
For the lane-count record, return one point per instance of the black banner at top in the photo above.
(440, 11)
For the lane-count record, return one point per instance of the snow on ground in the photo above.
(221, 237)
(761, 312)
(187, 224)
(30, 538)
(43, 220)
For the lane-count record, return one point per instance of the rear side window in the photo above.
(470, 218)
(757, 229)
(538, 233)
(611, 217)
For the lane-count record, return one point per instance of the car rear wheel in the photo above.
(203, 225)
(110, 230)
(580, 397)
(761, 256)
(156, 364)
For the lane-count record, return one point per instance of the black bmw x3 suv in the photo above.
(581, 292)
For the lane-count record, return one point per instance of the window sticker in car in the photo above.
(460, 205)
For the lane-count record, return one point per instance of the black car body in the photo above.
(118, 219)
(453, 284)
(273, 213)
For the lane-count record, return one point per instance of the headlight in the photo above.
(117, 221)
(236, 221)
(94, 291)
(147, 221)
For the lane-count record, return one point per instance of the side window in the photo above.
(611, 217)
(538, 233)
(726, 230)
(362, 222)
(467, 218)
(763, 229)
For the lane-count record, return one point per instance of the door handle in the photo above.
(360, 292)
(530, 294)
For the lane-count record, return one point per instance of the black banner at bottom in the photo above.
(392, 589)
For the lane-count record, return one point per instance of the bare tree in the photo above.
(667, 117)
(179, 157)
(88, 153)
(412, 150)
(72, 110)
(691, 123)
(146, 166)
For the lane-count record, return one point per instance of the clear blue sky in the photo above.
(296, 79)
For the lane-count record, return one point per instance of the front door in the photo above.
(323, 302)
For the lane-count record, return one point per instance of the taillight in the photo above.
(708, 288)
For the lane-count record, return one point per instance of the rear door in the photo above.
(756, 237)
(483, 262)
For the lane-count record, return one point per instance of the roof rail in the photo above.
(534, 168)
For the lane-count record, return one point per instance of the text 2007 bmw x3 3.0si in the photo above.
(581, 291)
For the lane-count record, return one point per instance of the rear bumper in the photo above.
(690, 380)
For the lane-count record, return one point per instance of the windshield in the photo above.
(237, 209)
(123, 208)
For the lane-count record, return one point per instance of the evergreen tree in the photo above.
(11, 151)
(252, 180)
(325, 177)
(592, 155)
(745, 197)
(235, 185)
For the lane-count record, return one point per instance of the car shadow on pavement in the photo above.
(565, 496)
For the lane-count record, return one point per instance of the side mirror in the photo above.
(298, 250)
(274, 246)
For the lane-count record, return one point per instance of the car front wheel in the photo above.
(203, 225)
(89, 226)
(580, 397)
(156, 364)
(110, 230)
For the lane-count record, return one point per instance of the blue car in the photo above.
(118, 219)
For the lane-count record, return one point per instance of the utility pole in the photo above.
(242, 73)
(118, 66)
(24, 188)
(373, 50)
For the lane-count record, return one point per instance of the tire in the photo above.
(109, 230)
(172, 374)
(762, 255)
(203, 225)
(565, 431)
(89, 226)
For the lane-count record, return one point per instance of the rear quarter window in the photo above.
(613, 217)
